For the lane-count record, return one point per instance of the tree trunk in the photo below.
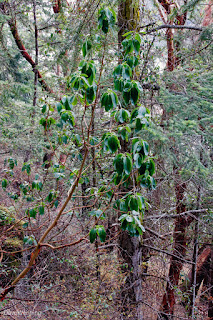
(179, 249)
(25, 54)
(210, 308)
(181, 222)
(130, 247)
(128, 17)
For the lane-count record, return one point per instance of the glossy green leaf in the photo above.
(145, 148)
(117, 71)
(122, 116)
(151, 167)
(91, 94)
(119, 84)
(34, 185)
(114, 98)
(101, 232)
(138, 160)
(126, 72)
(124, 224)
(106, 19)
(123, 206)
(4, 183)
(134, 95)
(41, 210)
(138, 38)
(119, 163)
(133, 203)
(25, 225)
(136, 45)
(25, 239)
(113, 143)
(44, 108)
(59, 107)
(129, 218)
(86, 47)
(32, 213)
(109, 100)
(127, 164)
(88, 70)
(92, 235)
(26, 167)
(132, 61)
(136, 145)
(126, 97)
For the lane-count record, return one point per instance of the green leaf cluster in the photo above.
(106, 19)
(99, 230)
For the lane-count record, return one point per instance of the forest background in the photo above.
(106, 159)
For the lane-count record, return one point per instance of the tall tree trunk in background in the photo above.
(208, 14)
(172, 59)
(128, 17)
(210, 307)
(179, 250)
(131, 249)
(56, 6)
(181, 222)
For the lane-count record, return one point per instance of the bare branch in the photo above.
(170, 26)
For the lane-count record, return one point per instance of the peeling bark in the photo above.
(172, 60)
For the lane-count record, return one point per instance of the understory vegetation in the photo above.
(106, 160)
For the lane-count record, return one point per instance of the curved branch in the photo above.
(25, 54)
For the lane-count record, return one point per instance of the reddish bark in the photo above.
(179, 249)
(181, 222)
(203, 275)
(210, 308)
(172, 60)
(6, 291)
(181, 19)
(57, 6)
(25, 54)
(201, 260)
(166, 5)
(208, 14)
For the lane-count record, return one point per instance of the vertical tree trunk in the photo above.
(208, 14)
(210, 307)
(181, 224)
(170, 49)
(128, 17)
(131, 249)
